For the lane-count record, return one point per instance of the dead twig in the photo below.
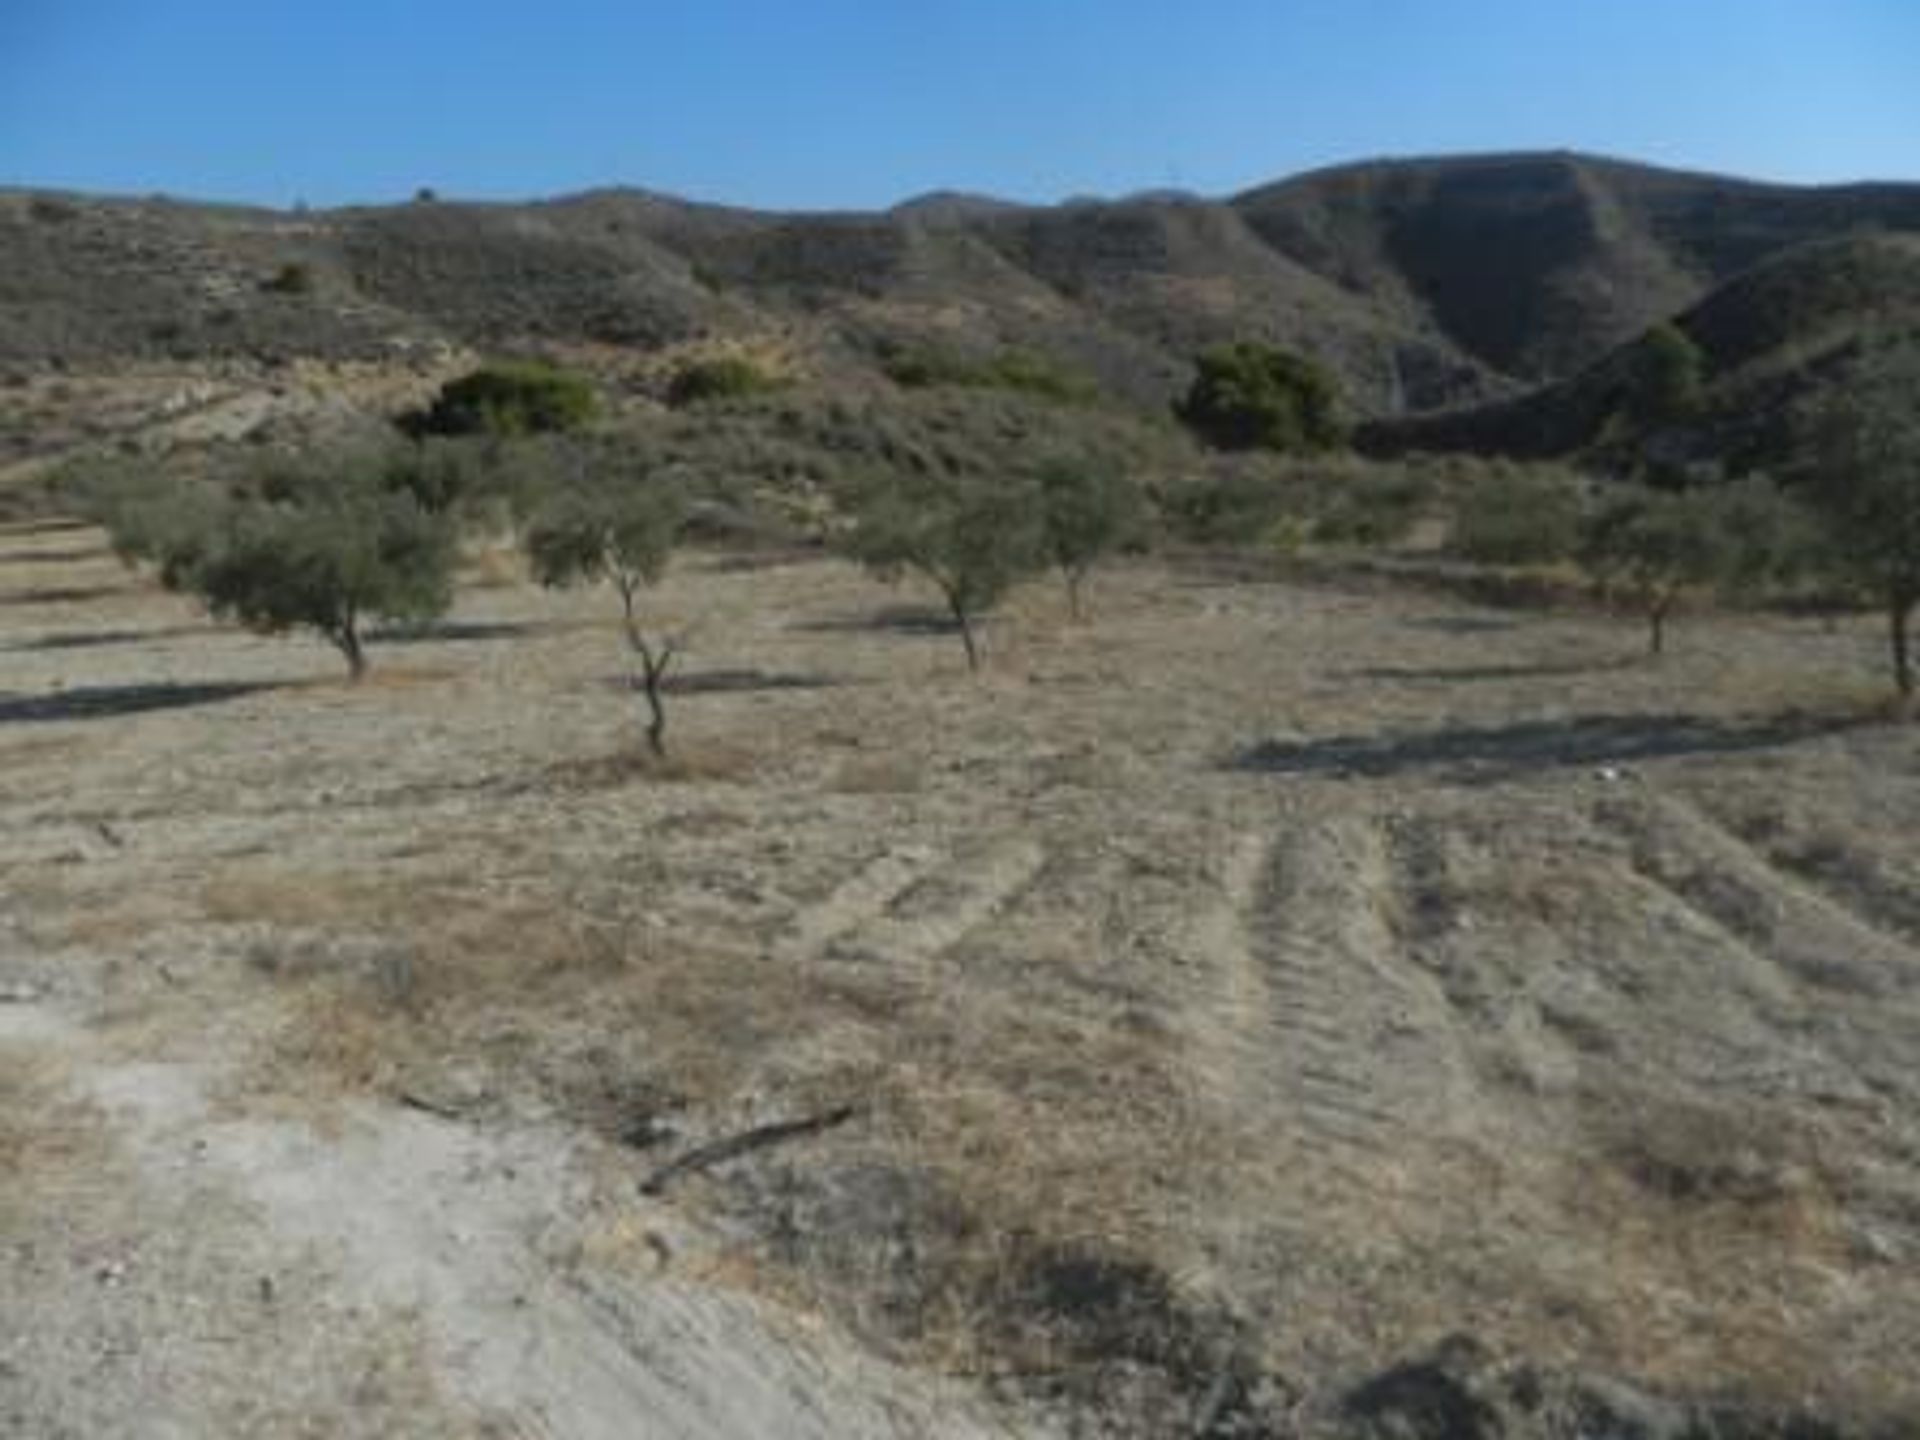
(705, 1157)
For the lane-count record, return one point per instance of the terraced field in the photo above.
(1197, 1024)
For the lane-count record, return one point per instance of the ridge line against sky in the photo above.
(859, 104)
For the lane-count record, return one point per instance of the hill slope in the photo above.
(1770, 338)
(1425, 284)
(1539, 264)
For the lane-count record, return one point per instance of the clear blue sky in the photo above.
(800, 103)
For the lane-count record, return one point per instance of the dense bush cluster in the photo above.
(1250, 396)
(509, 399)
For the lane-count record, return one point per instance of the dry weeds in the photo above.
(1157, 1053)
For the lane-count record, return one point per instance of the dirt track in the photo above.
(1321, 972)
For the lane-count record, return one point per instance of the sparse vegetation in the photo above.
(1018, 370)
(1370, 506)
(968, 1022)
(724, 377)
(1518, 516)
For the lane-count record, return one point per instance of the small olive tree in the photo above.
(1864, 485)
(329, 567)
(1655, 546)
(613, 515)
(1088, 511)
(1650, 546)
(320, 543)
(974, 535)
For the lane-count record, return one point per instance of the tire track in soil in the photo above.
(1776, 914)
(1344, 1055)
(912, 907)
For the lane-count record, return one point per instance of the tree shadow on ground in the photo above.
(1462, 624)
(105, 702)
(742, 681)
(1478, 754)
(46, 525)
(453, 631)
(68, 555)
(61, 595)
(97, 639)
(895, 619)
(1465, 674)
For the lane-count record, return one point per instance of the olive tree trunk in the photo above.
(655, 661)
(1899, 617)
(967, 637)
(346, 638)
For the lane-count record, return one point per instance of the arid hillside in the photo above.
(1769, 341)
(1423, 284)
(1268, 1009)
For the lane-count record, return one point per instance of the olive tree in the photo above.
(973, 535)
(1656, 545)
(1088, 510)
(613, 513)
(1651, 545)
(1863, 482)
(320, 542)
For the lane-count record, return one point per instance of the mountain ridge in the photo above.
(1427, 283)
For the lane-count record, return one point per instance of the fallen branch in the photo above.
(705, 1157)
(414, 1100)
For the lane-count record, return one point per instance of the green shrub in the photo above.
(1023, 371)
(1235, 501)
(508, 399)
(724, 377)
(1372, 507)
(1517, 516)
(1669, 376)
(293, 278)
(1250, 396)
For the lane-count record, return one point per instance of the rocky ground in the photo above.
(1268, 1009)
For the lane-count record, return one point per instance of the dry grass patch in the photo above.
(877, 775)
(697, 761)
(493, 567)
(46, 1136)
